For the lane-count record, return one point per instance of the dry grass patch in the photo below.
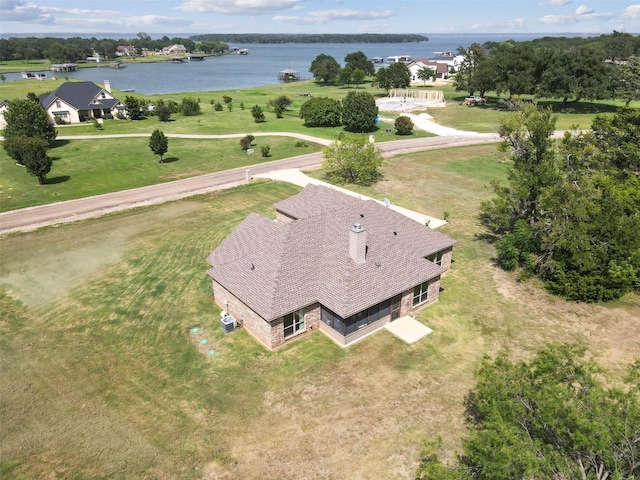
(104, 377)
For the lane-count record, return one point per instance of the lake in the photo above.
(260, 67)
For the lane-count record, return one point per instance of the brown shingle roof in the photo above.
(307, 261)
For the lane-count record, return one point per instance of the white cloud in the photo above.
(325, 16)
(552, 19)
(19, 11)
(632, 12)
(583, 10)
(237, 7)
(557, 3)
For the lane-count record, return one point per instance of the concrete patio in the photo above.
(408, 329)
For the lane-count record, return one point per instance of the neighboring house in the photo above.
(453, 61)
(3, 108)
(126, 51)
(329, 261)
(75, 102)
(441, 69)
(174, 49)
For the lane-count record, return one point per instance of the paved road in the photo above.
(31, 218)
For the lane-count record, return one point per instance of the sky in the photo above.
(189, 17)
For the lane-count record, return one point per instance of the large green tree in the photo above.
(351, 160)
(325, 68)
(35, 159)
(476, 73)
(514, 68)
(550, 418)
(27, 118)
(574, 73)
(359, 112)
(321, 112)
(359, 60)
(628, 80)
(569, 212)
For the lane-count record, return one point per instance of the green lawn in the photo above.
(103, 378)
(83, 168)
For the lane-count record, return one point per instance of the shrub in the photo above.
(258, 114)
(217, 107)
(189, 107)
(245, 142)
(282, 101)
(321, 112)
(403, 125)
(163, 112)
(300, 144)
(278, 111)
(227, 99)
(265, 150)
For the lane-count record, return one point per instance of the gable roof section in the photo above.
(80, 95)
(297, 264)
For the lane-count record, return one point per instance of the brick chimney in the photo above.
(358, 244)
(107, 86)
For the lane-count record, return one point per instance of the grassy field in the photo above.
(83, 168)
(102, 377)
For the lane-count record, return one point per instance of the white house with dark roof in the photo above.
(329, 261)
(75, 102)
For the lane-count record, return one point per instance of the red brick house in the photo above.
(329, 261)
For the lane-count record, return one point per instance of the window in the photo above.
(436, 258)
(58, 104)
(421, 293)
(293, 323)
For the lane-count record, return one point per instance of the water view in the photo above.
(260, 67)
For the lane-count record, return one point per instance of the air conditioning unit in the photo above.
(229, 324)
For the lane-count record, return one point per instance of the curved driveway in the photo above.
(31, 218)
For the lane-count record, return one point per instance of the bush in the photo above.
(300, 144)
(359, 112)
(265, 150)
(217, 107)
(163, 112)
(321, 112)
(189, 107)
(282, 101)
(245, 142)
(403, 125)
(227, 99)
(278, 111)
(508, 254)
(258, 114)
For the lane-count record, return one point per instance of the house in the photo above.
(174, 49)
(4, 105)
(441, 70)
(75, 102)
(452, 60)
(126, 51)
(329, 262)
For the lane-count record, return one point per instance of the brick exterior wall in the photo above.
(446, 259)
(271, 335)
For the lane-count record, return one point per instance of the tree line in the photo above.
(253, 38)
(570, 69)
(60, 50)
